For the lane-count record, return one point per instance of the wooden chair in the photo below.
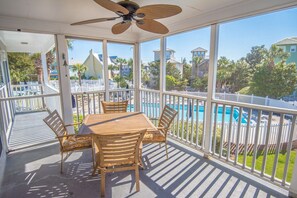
(117, 153)
(68, 142)
(114, 107)
(167, 116)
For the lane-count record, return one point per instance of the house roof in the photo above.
(287, 41)
(111, 59)
(199, 49)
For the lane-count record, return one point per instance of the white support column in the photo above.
(64, 80)
(105, 66)
(44, 68)
(162, 70)
(137, 76)
(293, 186)
(211, 88)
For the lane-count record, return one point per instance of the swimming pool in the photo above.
(150, 109)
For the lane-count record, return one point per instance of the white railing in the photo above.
(241, 133)
(251, 99)
(28, 104)
(6, 114)
(242, 143)
(85, 103)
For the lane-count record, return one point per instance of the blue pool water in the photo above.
(152, 111)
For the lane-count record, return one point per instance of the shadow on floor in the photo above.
(35, 173)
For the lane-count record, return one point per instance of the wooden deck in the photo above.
(28, 130)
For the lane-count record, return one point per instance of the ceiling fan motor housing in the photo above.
(129, 5)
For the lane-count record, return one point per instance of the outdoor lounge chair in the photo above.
(68, 142)
(167, 116)
(117, 153)
(114, 107)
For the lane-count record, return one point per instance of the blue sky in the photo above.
(235, 40)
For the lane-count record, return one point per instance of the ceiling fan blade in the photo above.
(95, 20)
(112, 6)
(158, 11)
(120, 27)
(151, 25)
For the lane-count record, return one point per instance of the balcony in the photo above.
(34, 172)
(220, 144)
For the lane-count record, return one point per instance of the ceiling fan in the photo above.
(130, 11)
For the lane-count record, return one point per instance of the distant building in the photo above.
(170, 58)
(289, 45)
(202, 68)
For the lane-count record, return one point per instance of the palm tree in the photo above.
(80, 68)
(121, 62)
(196, 61)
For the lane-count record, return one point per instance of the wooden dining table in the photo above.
(116, 123)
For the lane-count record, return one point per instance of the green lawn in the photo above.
(269, 164)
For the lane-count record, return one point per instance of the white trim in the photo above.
(105, 67)
(211, 87)
(137, 76)
(162, 76)
(64, 80)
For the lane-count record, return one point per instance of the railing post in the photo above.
(64, 80)
(162, 70)
(211, 88)
(137, 76)
(293, 185)
(105, 67)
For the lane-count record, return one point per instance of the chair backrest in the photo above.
(55, 122)
(118, 149)
(114, 107)
(167, 116)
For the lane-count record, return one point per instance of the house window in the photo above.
(293, 48)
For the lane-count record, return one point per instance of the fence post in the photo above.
(211, 88)
(293, 185)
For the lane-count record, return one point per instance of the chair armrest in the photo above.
(161, 128)
(73, 124)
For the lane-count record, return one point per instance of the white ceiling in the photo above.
(35, 43)
(54, 16)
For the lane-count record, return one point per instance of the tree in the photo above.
(200, 84)
(120, 62)
(255, 57)
(187, 71)
(80, 69)
(273, 77)
(36, 59)
(21, 66)
(196, 61)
